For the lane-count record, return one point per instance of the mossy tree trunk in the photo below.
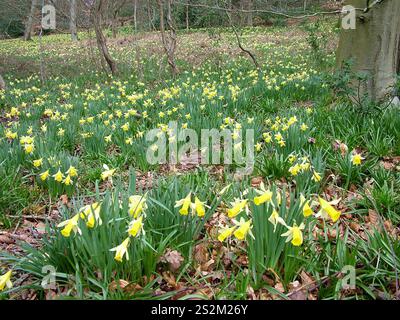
(374, 46)
(29, 21)
(2, 83)
(72, 20)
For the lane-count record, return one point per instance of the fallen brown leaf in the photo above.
(173, 258)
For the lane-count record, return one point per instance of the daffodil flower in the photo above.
(5, 281)
(67, 181)
(91, 213)
(225, 233)
(58, 176)
(29, 148)
(237, 207)
(265, 196)
(303, 127)
(243, 227)
(107, 173)
(121, 250)
(44, 175)
(137, 204)
(356, 159)
(199, 207)
(135, 227)
(184, 204)
(294, 234)
(307, 211)
(37, 163)
(327, 210)
(72, 172)
(294, 170)
(316, 176)
(274, 218)
(70, 225)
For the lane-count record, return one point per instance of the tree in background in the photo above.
(98, 12)
(374, 47)
(29, 22)
(2, 83)
(72, 20)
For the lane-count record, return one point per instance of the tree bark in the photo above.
(169, 41)
(2, 83)
(187, 16)
(135, 14)
(373, 46)
(249, 14)
(29, 22)
(101, 39)
(72, 20)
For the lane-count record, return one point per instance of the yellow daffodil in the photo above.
(58, 176)
(107, 173)
(198, 207)
(11, 135)
(307, 211)
(316, 176)
(237, 207)
(29, 148)
(294, 234)
(137, 204)
(38, 162)
(91, 213)
(327, 210)
(264, 196)
(70, 225)
(135, 227)
(67, 181)
(5, 281)
(26, 140)
(225, 233)
(243, 227)
(294, 170)
(44, 175)
(72, 171)
(184, 204)
(356, 159)
(125, 127)
(274, 218)
(292, 158)
(121, 250)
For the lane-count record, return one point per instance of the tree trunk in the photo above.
(72, 20)
(29, 22)
(149, 16)
(187, 16)
(169, 41)
(249, 14)
(373, 46)
(101, 39)
(2, 83)
(135, 14)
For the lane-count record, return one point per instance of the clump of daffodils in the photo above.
(294, 232)
(137, 208)
(197, 207)
(59, 177)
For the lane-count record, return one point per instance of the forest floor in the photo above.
(85, 213)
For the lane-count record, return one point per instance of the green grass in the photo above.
(70, 115)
